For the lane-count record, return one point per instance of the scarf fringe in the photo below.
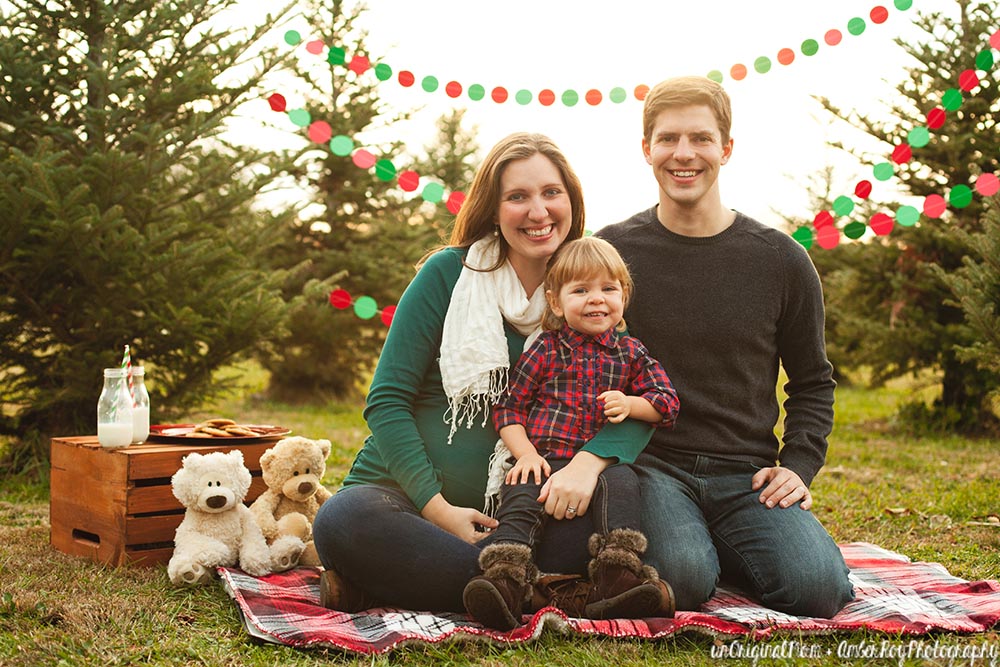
(464, 408)
(498, 469)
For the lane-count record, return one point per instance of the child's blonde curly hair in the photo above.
(583, 259)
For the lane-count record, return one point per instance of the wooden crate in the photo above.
(115, 506)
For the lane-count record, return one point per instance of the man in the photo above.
(721, 301)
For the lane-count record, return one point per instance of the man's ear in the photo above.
(645, 151)
(727, 151)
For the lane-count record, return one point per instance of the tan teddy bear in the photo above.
(293, 472)
(218, 529)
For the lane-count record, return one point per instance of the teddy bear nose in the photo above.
(305, 487)
(215, 502)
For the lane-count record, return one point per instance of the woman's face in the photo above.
(535, 211)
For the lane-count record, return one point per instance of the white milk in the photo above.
(114, 435)
(140, 424)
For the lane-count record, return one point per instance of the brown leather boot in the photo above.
(339, 594)
(622, 587)
(566, 592)
(496, 597)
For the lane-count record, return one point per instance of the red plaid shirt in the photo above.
(555, 385)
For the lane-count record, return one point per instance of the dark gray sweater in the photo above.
(720, 313)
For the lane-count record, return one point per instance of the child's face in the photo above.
(590, 306)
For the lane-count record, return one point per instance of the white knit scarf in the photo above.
(474, 356)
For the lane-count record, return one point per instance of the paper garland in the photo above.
(828, 235)
(592, 97)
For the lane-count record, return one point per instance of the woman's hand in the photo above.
(532, 462)
(567, 492)
(459, 521)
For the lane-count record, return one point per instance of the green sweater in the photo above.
(408, 446)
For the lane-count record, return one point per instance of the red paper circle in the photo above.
(934, 206)
(879, 14)
(453, 89)
(786, 56)
(387, 314)
(359, 65)
(277, 102)
(968, 80)
(881, 224)
(822, 219)
(833, 37)
(987, 185)
(593, 97)
(340, 299)
(936, 118)
(409, 180)
(499, 94)
(828, 236)
(406, 78)
(863, 189)
(455, 201)
(641, 91)
(546, 97)
(320, 131)
(902, 153)
(738, 71)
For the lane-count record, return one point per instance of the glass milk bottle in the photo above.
(140, 406)
(114, 410)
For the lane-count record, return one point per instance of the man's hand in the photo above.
(531, 463)
(784, 488)
(459, 521)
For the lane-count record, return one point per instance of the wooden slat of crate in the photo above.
(116, 506)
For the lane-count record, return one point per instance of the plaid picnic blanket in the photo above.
(893, 595)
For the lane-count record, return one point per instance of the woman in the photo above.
(402, 531)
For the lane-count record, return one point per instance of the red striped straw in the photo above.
(127, 365)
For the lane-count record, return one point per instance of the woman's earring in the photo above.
(496, 230)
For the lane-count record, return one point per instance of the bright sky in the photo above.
(780, 132)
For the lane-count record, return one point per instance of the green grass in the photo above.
(922, 497)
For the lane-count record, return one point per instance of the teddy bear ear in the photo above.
(325, 446)
(237, 455)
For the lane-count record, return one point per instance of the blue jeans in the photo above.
(375, 537)
(703, 522)
(615, 504)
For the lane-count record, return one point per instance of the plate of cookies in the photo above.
(218, 428)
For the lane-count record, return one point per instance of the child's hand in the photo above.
(616, 407)
(525, 466)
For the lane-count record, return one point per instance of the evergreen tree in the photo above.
(360, 233)
(127, 213)
(976, 287)
(888, 302)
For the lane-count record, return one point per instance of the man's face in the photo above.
(686, 152)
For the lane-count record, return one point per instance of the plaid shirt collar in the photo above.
(572, 338)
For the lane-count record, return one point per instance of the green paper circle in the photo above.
(385, 170)
(383, 72)
(762, 65)
(918, 137)
(570, 98)
(883, 171)
(856, 26)
(429, 84)
(299, 117)
(523, 97)
(960, 196)
(907, 216)
(804, 236)
(855, 229)
(715, 75)
(476, 92)
(952, 99)
(810, 47)
(843, 205)
(984, 60)
(341, 145)
(433, 192)
(292, 37)
(618, 95)
(903, 5)
(336, 55)
(365, 307)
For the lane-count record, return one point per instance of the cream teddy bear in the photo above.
(293, 472)
(218, 530)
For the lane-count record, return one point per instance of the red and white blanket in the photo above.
(893, 595)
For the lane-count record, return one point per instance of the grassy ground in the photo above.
(928, 498)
